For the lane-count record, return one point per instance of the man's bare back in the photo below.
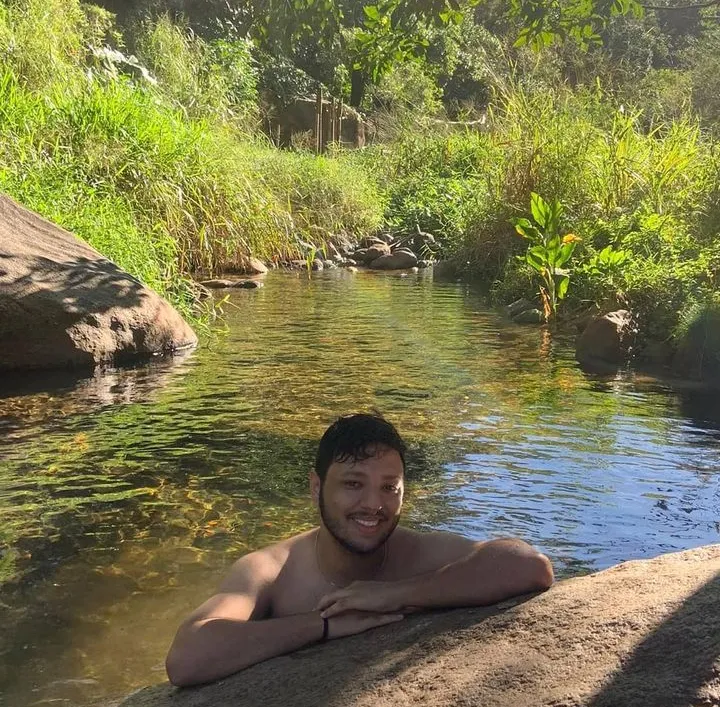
(358, 570)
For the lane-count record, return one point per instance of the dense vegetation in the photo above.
(140, 133)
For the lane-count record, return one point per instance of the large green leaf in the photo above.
(540, 210)
(562, 287)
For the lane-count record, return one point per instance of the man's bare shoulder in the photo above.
(417, 551)
(262, 566)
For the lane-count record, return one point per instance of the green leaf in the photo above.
(539, 209)
(536, 257)
(566, 251)
(372, 13)
(562, 287)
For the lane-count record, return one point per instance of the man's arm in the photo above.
(484, 573)
(229, 632)
(222, 636)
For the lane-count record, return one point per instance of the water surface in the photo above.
(124, 496)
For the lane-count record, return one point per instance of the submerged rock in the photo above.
(529, 316)
(221, 283)
(642, 634)
(249, 284)
(518, 306)
(217, 283)
(64, 305)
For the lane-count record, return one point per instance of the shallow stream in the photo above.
(124, 496)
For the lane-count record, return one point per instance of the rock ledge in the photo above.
(642, 634)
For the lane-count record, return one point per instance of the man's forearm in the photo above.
(496, 571)
(213, 648)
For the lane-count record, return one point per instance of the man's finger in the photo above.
(390, 619)
(328, 600)
(334, 609)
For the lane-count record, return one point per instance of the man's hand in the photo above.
(377, 597)
(352, 622)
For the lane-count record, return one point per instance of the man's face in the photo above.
(360, 501)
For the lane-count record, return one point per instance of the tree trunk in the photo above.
(358, 81)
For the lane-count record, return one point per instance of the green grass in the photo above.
(651, 192)
(170, 179)
(165, 182)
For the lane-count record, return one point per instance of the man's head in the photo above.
(358, 481)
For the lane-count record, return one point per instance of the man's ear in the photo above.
(315, 484)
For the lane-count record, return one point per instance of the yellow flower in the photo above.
(571, 238)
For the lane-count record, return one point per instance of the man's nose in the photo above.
(372, 500)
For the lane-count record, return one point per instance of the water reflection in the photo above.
(125, 496)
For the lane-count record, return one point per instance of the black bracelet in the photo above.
(326, 629)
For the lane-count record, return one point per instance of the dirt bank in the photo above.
(642, 634)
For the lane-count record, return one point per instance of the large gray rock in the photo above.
(62, 304)
(642, 634)
(399, 260)
(606, 339)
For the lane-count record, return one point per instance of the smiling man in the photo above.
(356, 571)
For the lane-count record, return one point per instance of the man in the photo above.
(355, 572)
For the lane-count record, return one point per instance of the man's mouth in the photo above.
(367, 525)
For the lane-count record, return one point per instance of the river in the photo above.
(125, 495)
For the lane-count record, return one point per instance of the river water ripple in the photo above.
(125, 495)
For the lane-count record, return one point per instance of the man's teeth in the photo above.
(366, 523)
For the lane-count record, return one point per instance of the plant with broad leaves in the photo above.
(548, 251)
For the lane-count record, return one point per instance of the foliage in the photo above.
(435, 183)
(698, 335)
(125, 165)
(216, 79)
(548, 252)
(544, 22)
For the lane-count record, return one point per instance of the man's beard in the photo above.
(334, 527)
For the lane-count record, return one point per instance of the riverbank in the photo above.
(163, 170)
(641, 634)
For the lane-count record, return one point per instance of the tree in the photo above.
(359, 40)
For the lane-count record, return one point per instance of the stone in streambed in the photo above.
(376, 251)
(606, 339)
(64, 305)
(399, 260)
(255, 267)
(529, 316)
(217, 283)
(518, 306)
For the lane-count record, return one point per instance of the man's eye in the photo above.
(352, 484)
(391, 488)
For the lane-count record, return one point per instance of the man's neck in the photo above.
(340, 566)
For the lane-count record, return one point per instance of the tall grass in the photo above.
(647, 188)
(165, 179)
